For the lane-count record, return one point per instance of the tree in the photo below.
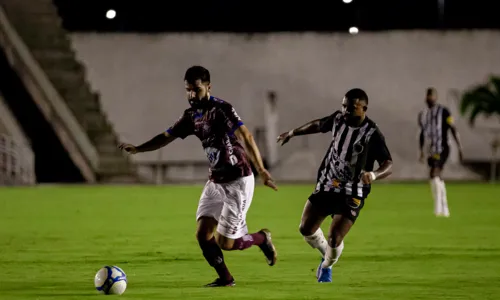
(483, 99)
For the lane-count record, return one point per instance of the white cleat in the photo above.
(446, 215)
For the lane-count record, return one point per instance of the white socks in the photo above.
(436, 193)
(439, 193)
(317, 241)
(332, 255)
(444, 200)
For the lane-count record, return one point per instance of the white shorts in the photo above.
(228, 203)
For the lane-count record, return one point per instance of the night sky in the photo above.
(274, 15)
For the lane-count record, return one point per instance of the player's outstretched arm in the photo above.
(246, 138)
(308, 128)
(157, 142)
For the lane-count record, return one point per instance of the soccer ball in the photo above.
(110, 280)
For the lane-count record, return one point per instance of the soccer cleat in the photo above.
(319, 267)
(268, 248)
(324, 274)
(221, 283)
(445, 215)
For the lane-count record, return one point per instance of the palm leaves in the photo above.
(483, 99)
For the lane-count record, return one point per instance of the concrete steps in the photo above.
(40, 27)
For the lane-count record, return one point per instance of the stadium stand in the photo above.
(40, 51)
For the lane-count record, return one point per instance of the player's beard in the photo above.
(198, 103)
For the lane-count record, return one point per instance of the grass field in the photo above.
(54, 239)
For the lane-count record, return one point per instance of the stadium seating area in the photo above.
(33, 31)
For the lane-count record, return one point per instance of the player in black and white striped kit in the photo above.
(344, 177)
(434, 123)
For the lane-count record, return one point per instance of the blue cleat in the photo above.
(324, 274)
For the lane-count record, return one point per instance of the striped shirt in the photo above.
(353, 150)
(434, 122)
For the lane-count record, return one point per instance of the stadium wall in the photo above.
(140, 79)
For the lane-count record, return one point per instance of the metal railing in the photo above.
(17, 162)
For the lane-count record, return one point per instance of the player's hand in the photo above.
(367, 177)
(128, 148)
(285, 137)
(267, 179)
(421, 158)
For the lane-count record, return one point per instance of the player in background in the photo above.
(344, 177)
(434, 123)
(226, 197)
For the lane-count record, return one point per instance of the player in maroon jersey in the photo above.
(227, 195)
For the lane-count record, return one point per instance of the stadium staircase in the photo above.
(38, 24)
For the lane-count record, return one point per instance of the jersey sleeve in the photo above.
(232, 120)
(377, 150)
(183, 127)
(326, 123)
(448, 117)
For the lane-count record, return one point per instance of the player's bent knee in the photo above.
(205, 230)
(435, 172)
(302, 230)
(305, 231)
(203, 235)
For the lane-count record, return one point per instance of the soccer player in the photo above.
(344, 177)
(227, 195)
(434, 123)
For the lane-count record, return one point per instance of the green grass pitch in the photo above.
(54, 239)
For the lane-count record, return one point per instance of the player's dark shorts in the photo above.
(438, 160)
(332, 203)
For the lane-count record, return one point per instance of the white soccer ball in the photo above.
(110, 280)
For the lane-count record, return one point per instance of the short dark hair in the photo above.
(197, 72)
(431, 91)
(357, 94)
